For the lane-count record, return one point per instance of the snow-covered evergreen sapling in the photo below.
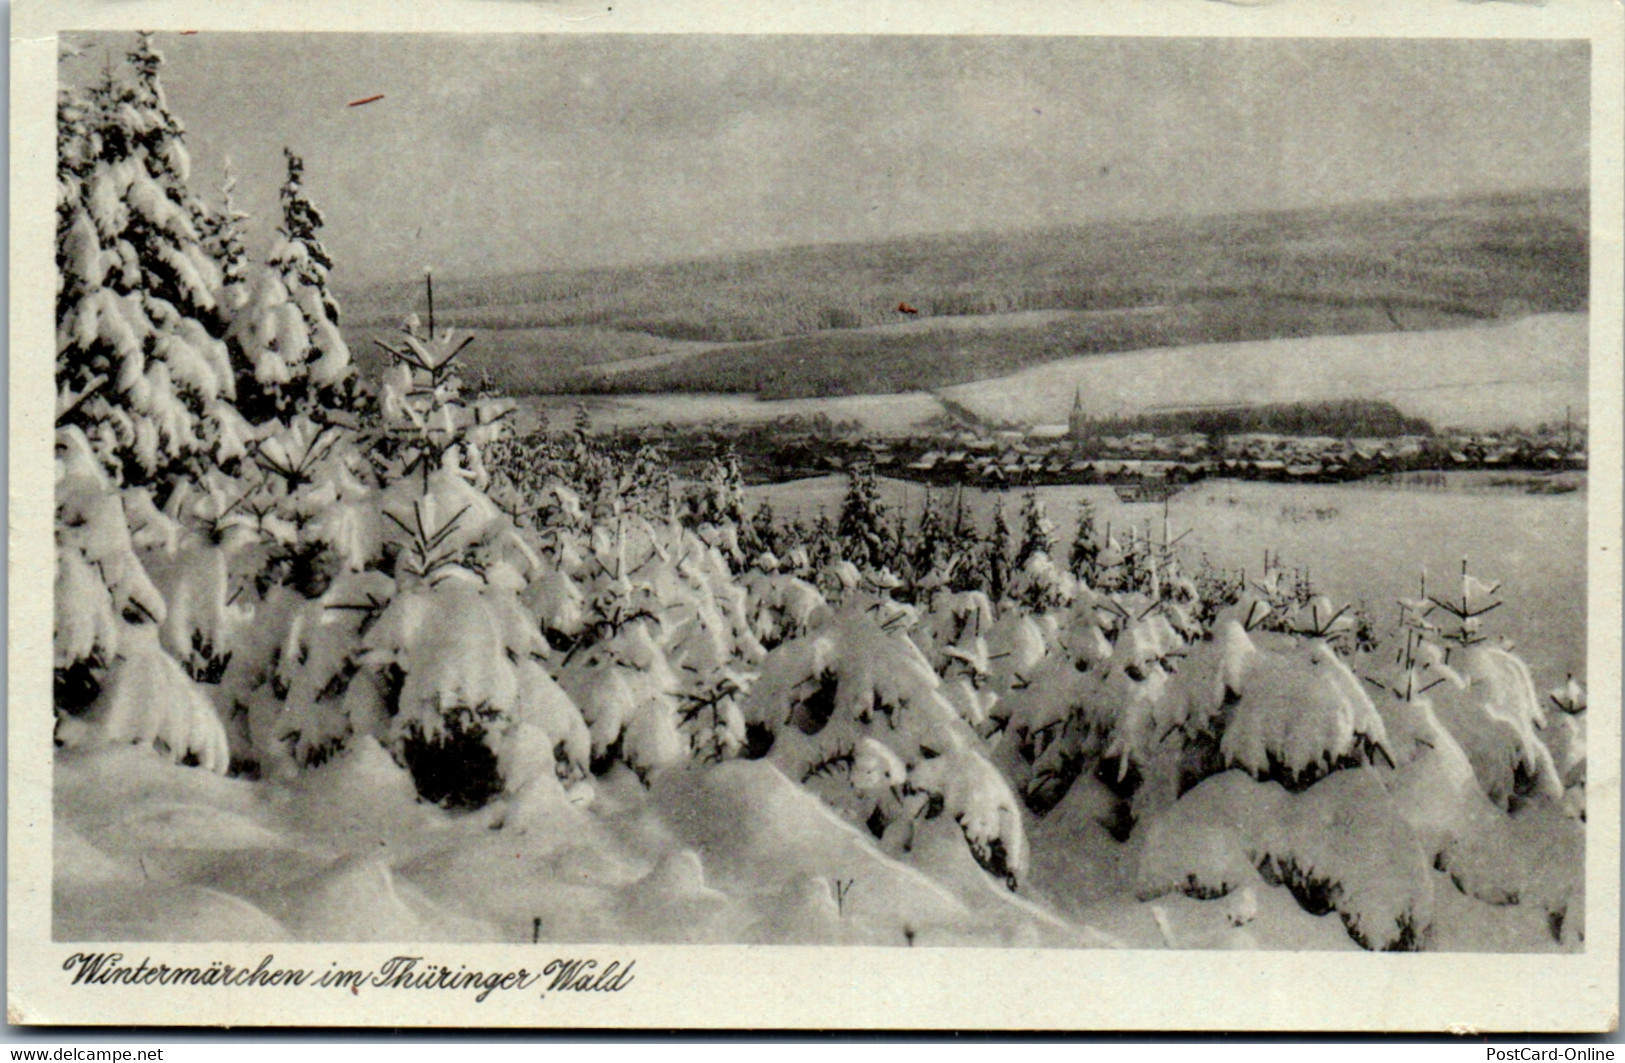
(863, 529)
(114, 681)
(716, 508)
(1037, 530)
(719, 498)
(996, 554)
(1086, 545)
(853, 710)
(285, 338)
(1481, 693)
(928, 554)
(225, 239)
(763, 537)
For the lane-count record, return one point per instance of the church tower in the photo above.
(1076, 422)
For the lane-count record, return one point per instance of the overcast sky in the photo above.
(514, 152)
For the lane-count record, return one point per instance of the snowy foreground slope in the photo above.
(732, 853)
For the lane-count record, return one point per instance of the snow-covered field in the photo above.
(1358, 543)
(683, 349)
(1530, 370)
(878, 414)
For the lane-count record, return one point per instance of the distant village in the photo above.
(1037, 458)
(1080, 453)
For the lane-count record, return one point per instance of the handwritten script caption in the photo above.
(398, 972)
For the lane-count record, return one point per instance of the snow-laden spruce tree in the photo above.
(286, 346)
(114, 681)
(141, 370)
(394, 613)
(763, 536)
(719, 497)
(964, 553)
(144, 419)
(854, 711)
(76, 112)
(1037, 530)
(1086, 544)
(927, 555)
(996, 554)
(225, 239)
(1037, 582)
(865, 538)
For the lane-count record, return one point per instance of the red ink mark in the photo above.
(365, 99)
(188, 33)
(354, 992)
(904, 308)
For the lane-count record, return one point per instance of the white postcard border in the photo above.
(840, 987)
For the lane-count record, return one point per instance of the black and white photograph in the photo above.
(566, 494)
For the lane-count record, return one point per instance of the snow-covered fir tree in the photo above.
(823, 544)
(764, 535)
(996, 553)
(1037, 530)
(961, 556)
(864, 535)
(76, 150)
(140, 366)
(930, 550)
(289, 355)
(225, 239)
(1085, 543)
(719, 498)
(163, 136)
